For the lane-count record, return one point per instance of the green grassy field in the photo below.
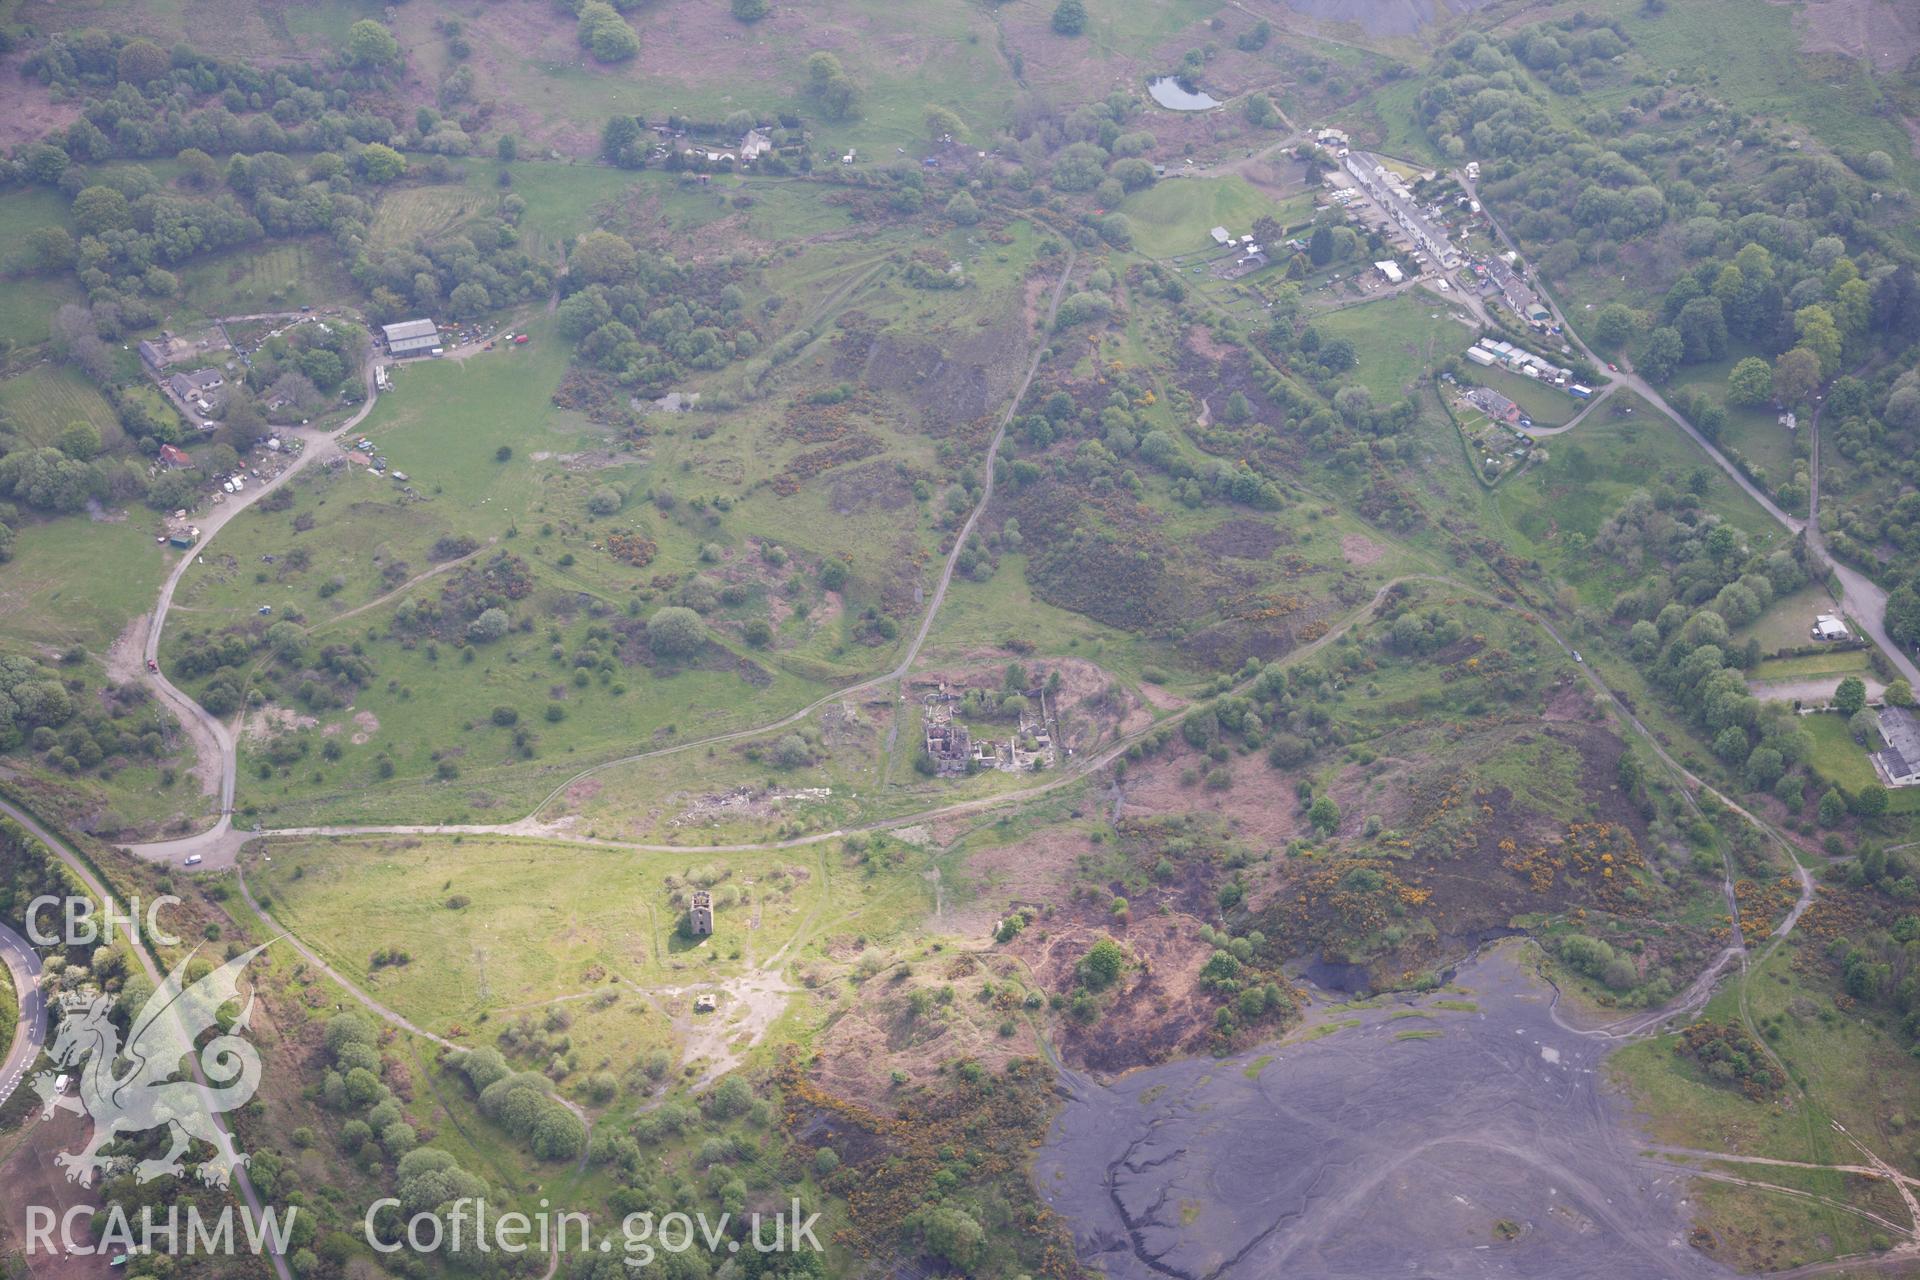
(406, 214)
(1547, 405)
(1398, 340)
(1811, 666)
(47, 398)
(1173, 216)
(276, 277)
(1787, 621)
(542, 924)
(1764, 72)
(1838, 759)
(79, 580)
(31, 303)
(1592, 469)
(25, 208)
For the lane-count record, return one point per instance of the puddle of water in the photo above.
(1172, 95)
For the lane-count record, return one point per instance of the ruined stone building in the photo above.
(700, 914)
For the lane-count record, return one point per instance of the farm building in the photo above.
(188, 386)
(1391, 270)
(1481, 356)
(153, 355)
(1898, 764)
(174, 456)
(1829, 627)
(1221, 236)
(411, 337)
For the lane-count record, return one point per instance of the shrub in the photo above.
(675, 632)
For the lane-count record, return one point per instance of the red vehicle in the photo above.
(1612, 367)
(520, 340)
(153, 666)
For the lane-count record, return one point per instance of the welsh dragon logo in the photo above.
(221, 1075)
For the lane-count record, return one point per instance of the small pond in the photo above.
(1171, 94)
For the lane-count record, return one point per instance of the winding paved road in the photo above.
(1860, 596)
(30, 1030)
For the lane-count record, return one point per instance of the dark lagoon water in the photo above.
(1473, 1142)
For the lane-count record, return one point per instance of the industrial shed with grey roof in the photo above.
(410, 337)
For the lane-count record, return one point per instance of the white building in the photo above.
(1221, 236)
(1899, 763)
(1830, 627)
(1391, 270)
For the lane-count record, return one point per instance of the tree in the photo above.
(952, 1234)
(1819, 334)
(1324, 814)
(381, 163)
(1871, 802)
(1832, 808)
(1850, 695)
(79, 440)
(370, 46)
(605, 501)
(942, 124)
(1899, 694)
(470, 299)
(1613, 327)
(1750, 382)
(828, 82)
(751, 10)
(1079, 167)
(605, 34)
(1320, 246)
(1796, 376)
(1703, 330)
(675, 632)
(98, 209)
(45, 162)
(601, 257)
(287, 640)
(46, 479)
(141, 62)
(491, 625)
(963, 209)
(1103, 964)
(1070, 17)
(50, 249)
(507, 149)
(791, 752)
(1260, 110)
(1663, 353)
(1903, 615)
(622, 143)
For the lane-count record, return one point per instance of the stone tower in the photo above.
(700, 914)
